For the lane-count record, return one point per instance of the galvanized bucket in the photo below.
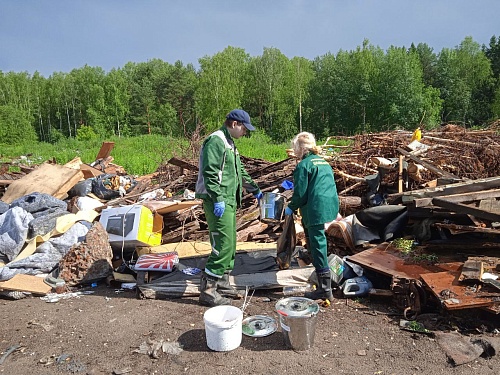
(272, 206)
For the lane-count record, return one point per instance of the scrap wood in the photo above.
(52, 179)
(105, 150)
(466, 187)
(183, 164)
(472, 270)
(427, 165)
(189, 249)
(26, 283)
(465, 209)
(457, 229)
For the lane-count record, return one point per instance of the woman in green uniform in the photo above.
(221, 178)
(315, 194)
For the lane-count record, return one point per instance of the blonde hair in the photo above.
(303, 143)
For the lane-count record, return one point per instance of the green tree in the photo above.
(15, 126)
(221, 85)
(271, 94)
(462, 73)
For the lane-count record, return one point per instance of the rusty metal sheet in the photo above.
(387, 260)
(447, 284)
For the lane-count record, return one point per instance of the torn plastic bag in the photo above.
(109, 186)
(81, 189)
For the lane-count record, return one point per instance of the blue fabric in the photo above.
(219, 208)
(258, 196)
(288, 211)
(287, 185)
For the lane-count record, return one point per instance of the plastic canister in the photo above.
(298, 317)
(223, 327)
(357, 286)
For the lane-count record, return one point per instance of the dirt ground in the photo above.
(99, 332)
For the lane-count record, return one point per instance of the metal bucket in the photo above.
(272, 206)
(298, 317)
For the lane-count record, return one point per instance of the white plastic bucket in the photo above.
(223, 327)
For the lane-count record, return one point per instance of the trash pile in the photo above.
(419, 222)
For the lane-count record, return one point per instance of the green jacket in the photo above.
(315, 192)
(221, 175)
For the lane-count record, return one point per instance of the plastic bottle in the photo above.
(298, 290)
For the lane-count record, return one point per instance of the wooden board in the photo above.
(197, 249)
(105, 150)
(87, 170)
(51, 179)
(26, 283)
(437, 282)
(163, 207)
(389, 261)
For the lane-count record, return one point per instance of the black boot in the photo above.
(208, 292)
(225, 288)
(324, 290)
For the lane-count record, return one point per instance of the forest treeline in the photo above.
(366, 89)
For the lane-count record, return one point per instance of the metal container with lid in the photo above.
(298, 316)
(297, 306)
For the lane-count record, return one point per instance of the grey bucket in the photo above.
(298, 324)
(272, 206)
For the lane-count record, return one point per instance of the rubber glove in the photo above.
(258, 196)
(219, 208)
(288, 211)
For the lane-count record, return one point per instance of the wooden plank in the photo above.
(455, 228)
(490, 205)
(26, 283)
(163, 207)
(105, 150)
(183, 164)
(389, 261)
(473, 196)
(472, 270)
(464, 209)
(51, 179)
(190, 249)
(456, 188)
(447, 287)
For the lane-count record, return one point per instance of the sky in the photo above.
(50, 36)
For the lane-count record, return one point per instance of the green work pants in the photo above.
(222, 232)
(318, 246)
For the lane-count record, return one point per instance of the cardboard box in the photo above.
(133, 225)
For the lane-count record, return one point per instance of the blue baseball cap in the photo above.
(240, 116)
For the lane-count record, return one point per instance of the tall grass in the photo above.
(137, 155)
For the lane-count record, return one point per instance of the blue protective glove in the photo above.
(219, 208)
(258, 196)
(288, 211)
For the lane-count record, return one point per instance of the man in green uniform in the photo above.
(221, 178)
(315, 194)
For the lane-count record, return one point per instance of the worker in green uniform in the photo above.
(221, 178)
(315, 194)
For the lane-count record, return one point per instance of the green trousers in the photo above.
(222, 232)
(317, 246)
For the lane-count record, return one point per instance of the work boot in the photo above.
(225, 288)
(324, 290)
(208, 292)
